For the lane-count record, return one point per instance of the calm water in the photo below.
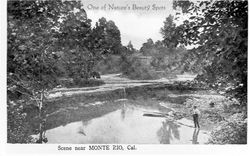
(125, 124)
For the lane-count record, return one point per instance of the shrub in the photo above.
(135, 69)
(108, 65)
(232, 131)
(17, 127)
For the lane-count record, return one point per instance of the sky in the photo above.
(137, 20)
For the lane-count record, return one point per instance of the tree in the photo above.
(38, 31)
(219, 30)
(87, 46)
(163, 58)
(107, 37)
(130, 47)
(31, 55)
(113, 38)
(74, 32)
(170, 32)
(147, 47)
(41, 34)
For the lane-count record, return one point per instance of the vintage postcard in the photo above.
(125, 76)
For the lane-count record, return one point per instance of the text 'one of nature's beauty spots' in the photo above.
(126, 7)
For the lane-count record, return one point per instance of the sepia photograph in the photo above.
(126, 72)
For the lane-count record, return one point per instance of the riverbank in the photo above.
(211, 105)
(93, 103)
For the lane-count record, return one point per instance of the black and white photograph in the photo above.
(126, 72)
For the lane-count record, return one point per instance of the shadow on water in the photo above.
(123, 112)
(167, 131)
(83, 114)
(125, 124)
(72, 114)
(170, 95)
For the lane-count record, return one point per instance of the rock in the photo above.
(211, 104)
(176, 115)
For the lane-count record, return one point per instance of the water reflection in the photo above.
(167, 131)
(126, 124)
(123, 111)
(67, 118)
(195, 136)
(81, 131)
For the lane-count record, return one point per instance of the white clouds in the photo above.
(134, 27)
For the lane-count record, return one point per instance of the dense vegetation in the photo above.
(48, 40)
(151, 61)
(219, 31)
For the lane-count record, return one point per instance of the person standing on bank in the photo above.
(196, 114)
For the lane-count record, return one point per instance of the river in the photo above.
(120, 120)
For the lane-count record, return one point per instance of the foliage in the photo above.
(86, 46)
(152, 61)
(164, 58)
(31, 57)
(31, 45)
(73, 32)
(130, 47)
(109, 64)
(48, 39)
(131, 65)
(18, 129)
(171, 33)
(140, 71)
(147, 47)
(233, 131)
(219, 30)
(133, 68)
(107, 36)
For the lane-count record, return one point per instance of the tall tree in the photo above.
(31, 54)
(219, 29)
(170, 32)
(37, 32)
(107, 37)
(147, 47)
(74, 33)
(130, 47)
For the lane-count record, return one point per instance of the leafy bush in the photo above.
(109, 64)
(17, 127)
(233, 131)
(143, 73)
(135, 69)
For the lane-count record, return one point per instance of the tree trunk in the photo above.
(40, 118)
